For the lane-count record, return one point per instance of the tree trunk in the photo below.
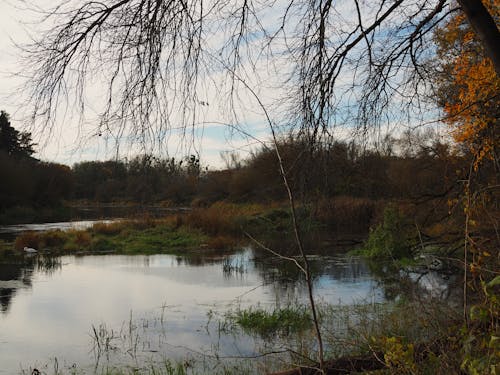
(485, 27)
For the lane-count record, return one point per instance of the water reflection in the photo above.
(17, 274)
(156, 305)
(417, 282)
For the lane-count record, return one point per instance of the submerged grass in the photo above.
(171, 367)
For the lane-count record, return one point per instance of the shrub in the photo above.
(398, 355)
(390, 239)
(349, 214)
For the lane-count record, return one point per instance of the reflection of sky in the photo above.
(55, 316)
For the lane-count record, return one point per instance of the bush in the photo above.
(390, 239)
(347, 214)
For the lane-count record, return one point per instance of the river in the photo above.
(146, 308)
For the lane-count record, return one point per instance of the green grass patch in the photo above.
(159, 239)
(283, 321)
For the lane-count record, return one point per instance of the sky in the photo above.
(70, 142)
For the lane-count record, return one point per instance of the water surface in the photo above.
(163, 302)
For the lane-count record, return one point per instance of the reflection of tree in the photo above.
(286, 280)
(19, 273)
(412, 282)
(339, 268)
(12, 276)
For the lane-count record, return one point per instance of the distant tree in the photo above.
(13, 142)
(54, 182)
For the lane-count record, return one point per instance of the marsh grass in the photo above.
(103, 339)
(221, 218)
(347, 214)
(403, 334)
(233, 266)
(6, 248)
(187, 367)
(279, 321)
(126, 237)
(221, 226)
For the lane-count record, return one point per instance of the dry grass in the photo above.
(349, 214)
(82, 239)
(28, 239)
(220, 219)
(221, 242)
(108, 228)
(52, 238)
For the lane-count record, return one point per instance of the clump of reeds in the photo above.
(103, 339)
(349, 214)
(221, 218)
(230, 266)
(279, 321)
(108, 228)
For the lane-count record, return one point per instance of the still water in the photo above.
(48, 307)
(151, 307)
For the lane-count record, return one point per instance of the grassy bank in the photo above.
(124, 237)
(219, 226)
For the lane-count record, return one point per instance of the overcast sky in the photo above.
(71, 143)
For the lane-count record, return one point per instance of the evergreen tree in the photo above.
(12, 142)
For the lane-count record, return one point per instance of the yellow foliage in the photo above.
(471, 101)
(398, 355)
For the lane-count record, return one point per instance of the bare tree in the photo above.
(344, 59)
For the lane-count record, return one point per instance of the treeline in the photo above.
(30, 182)
(143, 179)
(426, 168)
(414, 167)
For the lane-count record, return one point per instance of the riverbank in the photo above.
(220, 226)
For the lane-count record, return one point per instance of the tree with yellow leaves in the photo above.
(469, 88)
